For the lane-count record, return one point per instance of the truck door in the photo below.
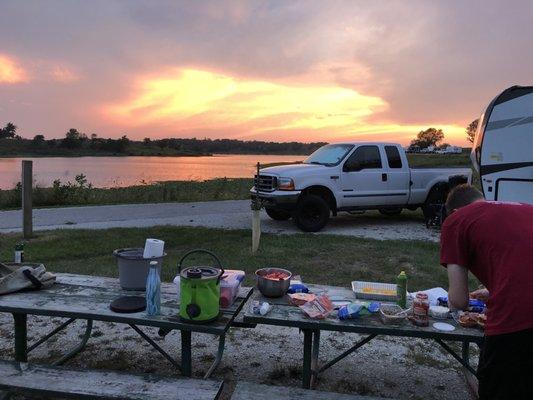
(362, 180)
(398, 177)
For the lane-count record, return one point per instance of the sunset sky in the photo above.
(266, 70)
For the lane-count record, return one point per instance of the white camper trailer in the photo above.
(503, 147)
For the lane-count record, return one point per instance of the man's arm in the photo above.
(458, 295)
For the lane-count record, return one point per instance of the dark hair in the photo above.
(462, 195)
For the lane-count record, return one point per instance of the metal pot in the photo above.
(270, 287)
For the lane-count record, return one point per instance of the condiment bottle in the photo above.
(420, 310)
(401, 289)
(153, 290)
(19, 253)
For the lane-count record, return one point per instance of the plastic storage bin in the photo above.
(229, 286)
(375, 291)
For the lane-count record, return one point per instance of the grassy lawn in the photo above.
(327, 259)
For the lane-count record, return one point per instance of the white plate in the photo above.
(442, 326)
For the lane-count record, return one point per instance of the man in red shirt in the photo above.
(494, 241)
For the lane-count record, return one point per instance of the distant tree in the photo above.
(73, 139)
(428, 137)
(9, 131)
(471, 130)
(147, 141)
(38, 141)
(444, 145)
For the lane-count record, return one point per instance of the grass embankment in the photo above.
(84, 194)
(325, 259)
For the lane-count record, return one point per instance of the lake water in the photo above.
(127, 171)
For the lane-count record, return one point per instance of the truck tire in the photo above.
(312, 213)
(277, 215)
(390, 211)
(436, 198)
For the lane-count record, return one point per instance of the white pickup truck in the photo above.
(353, 177)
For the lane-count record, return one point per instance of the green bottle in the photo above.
(401, 289)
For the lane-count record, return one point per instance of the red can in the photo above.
(420, 310)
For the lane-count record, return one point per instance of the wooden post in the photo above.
(27, 213)
(256, 215)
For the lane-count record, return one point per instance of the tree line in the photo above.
(76, 142)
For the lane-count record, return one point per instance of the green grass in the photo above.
(439, 160)
(178, 191)
(325, 259)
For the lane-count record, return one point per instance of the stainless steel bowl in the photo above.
(270, 287)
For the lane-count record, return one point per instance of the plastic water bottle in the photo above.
(153, 290)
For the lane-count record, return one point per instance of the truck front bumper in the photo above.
(278, 199)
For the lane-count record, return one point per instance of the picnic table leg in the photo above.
(21, 337)
(471, 379)
(218, 358)
(308, 349)
(186, 353)
(466, 352)
(314, 359)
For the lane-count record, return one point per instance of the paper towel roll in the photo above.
(153, 248)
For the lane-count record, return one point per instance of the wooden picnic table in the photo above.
(88, 298)
(285, 314)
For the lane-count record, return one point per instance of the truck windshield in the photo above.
(329, 155)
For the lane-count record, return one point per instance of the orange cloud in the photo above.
(11, 72)
(198, 99)
(192, 101)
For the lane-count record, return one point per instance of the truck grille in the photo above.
(265, 183)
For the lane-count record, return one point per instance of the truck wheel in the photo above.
(312, 213)
(278, 215)
(435, 200)
(390, 211)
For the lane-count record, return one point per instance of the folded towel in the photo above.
(17, 277)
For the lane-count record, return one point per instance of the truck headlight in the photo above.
(285, 184)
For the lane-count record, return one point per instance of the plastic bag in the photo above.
(358, 309)
(318, 308)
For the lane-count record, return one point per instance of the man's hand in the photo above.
(480, 294)
(458, 290)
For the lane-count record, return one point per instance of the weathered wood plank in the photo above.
(86, 297)
(254, 391)
(113, 284)
(92, 384)
(285, 314)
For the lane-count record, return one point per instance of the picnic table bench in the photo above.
(285, 314)
(88, 298)
(254, 391)
(82, 384)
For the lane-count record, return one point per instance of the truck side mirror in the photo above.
(351, 166)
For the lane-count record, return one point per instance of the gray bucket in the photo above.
(133, 268)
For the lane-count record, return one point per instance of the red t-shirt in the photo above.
(494, 241)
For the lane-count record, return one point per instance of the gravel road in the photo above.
(232, 214)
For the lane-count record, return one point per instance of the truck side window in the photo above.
(364, 157)
(393, 157)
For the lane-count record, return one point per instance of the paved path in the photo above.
(232, 214)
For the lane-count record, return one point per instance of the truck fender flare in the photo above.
(439, 186)
(324, 192)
